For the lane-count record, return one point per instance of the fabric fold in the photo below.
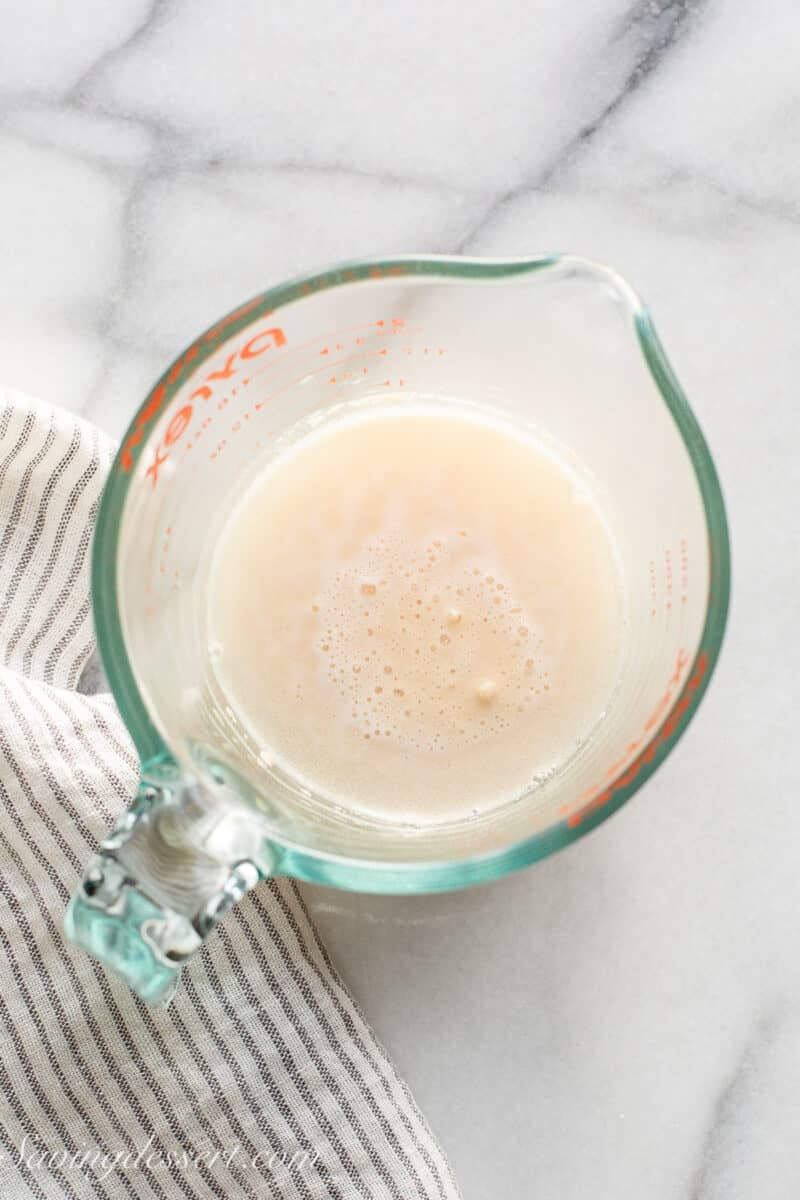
(262, 1077)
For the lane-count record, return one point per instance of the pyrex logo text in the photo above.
(179, 423)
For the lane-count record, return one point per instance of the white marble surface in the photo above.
(623, 1020)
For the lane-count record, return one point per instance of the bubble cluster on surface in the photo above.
(426, 645)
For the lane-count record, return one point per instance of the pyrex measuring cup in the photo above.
(557, 343)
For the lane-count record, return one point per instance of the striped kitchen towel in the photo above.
(262, 1078)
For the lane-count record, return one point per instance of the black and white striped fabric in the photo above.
(262, 1078)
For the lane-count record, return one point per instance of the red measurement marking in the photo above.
(164, 552)
(684, 570)
(255, 346)
(667, 730)
(290, 383)
(297, 346)
(158, 396)
(337, 362)
(334, 335)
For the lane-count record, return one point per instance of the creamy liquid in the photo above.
(417, 613)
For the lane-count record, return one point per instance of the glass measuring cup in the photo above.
(557, 343)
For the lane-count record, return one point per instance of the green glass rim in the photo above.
(419, 876)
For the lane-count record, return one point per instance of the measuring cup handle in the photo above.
(157, 887)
